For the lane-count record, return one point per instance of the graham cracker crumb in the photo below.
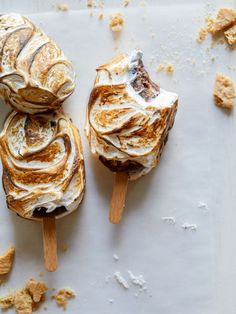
(224, 92)
(116, 22)
(168, 68)
(90, 3)
(6, 261)
(7, 302)
(226, 17)
(62, 296)
(203, 31)
(36, 289)
(23, 302)
(126, 3)
(100, 17)
(230, 35)
(62, 7)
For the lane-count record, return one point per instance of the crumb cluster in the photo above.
(116, 22)
(62, 296)
(223, 26)
(166, 67)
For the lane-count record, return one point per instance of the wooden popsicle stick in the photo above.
(50, 243)
(118, 197)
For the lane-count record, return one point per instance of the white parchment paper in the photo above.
(185, 270)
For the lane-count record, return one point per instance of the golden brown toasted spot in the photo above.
(6, 261)
(106, 117)
(224, 91)
(46, 155)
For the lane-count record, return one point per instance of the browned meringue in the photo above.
(35, 76)
(43, 166)
(128, 116)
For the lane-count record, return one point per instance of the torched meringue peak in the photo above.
(128, 116)
(43, 166)
(35, 76)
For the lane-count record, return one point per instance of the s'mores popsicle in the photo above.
(43, 170)
(128, 121)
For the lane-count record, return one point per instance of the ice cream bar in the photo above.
(128, 118)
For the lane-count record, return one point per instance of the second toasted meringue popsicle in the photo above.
(128, 121)
(43, 170)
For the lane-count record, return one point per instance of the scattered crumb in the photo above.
(6, 261)
(116, 22)
(226, 17)
(168, 68)
(230, 35)
(121, 280)
(45, 308)
(62, 296)
(62, 7)
(170, 220)
(23, 302)
(116, 257)
(111, 301)
(137, 280)
(187, 226)
(142, 4)
(202, 33)
(41, 274)
(7, 302)
(224, 92)
(36, 289)
(101, 16)
(90, 3)
(202, 205)
(126, 3)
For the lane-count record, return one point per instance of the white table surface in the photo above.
(186, 271)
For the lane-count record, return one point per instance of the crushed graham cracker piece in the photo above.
(125, 3)
(168, 68)
(62, 296)
(36, 289)
(23, 302)
(230, 35)
(224, 92)
(101, 16)
(62, 7)
(116, 22)
(226, 17)
(6, 261)
(7, 302)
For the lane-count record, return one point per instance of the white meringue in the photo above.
(35, 76)
(43, 166)
(128, 116)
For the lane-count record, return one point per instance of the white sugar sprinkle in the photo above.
(116, 257)
(170, 220)
(121, 280)
(137, 280)
(187, 226)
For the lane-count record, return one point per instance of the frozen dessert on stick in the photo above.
(43, 170)
(35, 75)
(128, 121)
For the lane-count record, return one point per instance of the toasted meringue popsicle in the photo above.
(43, 170)
(35, 75)
(128, 121)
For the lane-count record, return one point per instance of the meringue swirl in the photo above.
(35, 76)
(128, 116)
(43, 166)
